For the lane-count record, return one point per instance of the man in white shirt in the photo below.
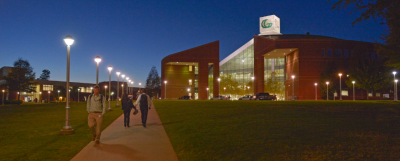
(145, 103)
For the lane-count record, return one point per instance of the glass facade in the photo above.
(236, 74)
(274, 77)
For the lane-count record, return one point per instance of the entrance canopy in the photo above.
(279, 53)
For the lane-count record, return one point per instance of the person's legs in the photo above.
(144, 111)
(91, 122)
(125, 117)
(99, 122)
(128, 115)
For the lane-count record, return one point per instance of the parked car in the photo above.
(246, 97)
(220, 98)
(186, 98)
(264, 96)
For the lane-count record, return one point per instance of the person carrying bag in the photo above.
(127, 106)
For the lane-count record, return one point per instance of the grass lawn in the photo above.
(32, 131)
(270, 130)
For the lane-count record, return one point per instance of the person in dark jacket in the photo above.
(145, 103)
(127, 106)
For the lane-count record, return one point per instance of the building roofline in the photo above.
(251, 42)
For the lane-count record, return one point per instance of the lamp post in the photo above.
(105, 90)
(165, 89)
(315, 84)
(2, 101)
(118, 73)
(395, 81)
(190, 96)
(252, 79)
(132, 88)
(109, 89)
(140, 85)
(224, 90)
(78, 94)
(395, 87)
(58, 96)
(208, 96)
(327, 91)
(129, 87)
(248, 89)
(340, 82)
(123, 81)
(219, 88)
(48, 96)
(354, 93)
(67, 129)
(97, 60)
(293, 87)
(127, 84)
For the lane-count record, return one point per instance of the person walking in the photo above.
(145, 103)
(127, 106)
(96, 108)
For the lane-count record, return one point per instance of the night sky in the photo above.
(132, 36)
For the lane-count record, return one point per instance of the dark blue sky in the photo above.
(133, 36)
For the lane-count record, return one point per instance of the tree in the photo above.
(370, 73)
(330, 74)
(21, 78)
(232, 87)
(388, 12)
(45, 75)
(153, 83)
(274, 86)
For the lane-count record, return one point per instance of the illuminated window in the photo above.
(190, 68)
(345, 93)
(47, 87)
(370, 94)
(377, 94)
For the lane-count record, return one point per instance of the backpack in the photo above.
(143, 99)
(101, 99)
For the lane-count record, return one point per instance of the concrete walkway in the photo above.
(134, 143)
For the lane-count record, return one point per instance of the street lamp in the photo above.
(123, 81)
(165, 89)
(58, 95)
(224, 90)
(340, 80)
(78, 94)
(252, 79)
(127, 84)
(97, 60)
(118, 73)
(395, 87)
(109, 90)
(2, 101)
(327, 90)
(190, 95)
(293, 87)
(105, 89)
(395, 81)
(315, 84)
(129, 89)
(248, 89)
(354, 94)
(219, 88)
(208, 97)
(48, 97)
(67, 129)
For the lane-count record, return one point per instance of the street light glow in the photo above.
(110, 68)
(97, 59)
(68, 40)
(340, 74)
(123, 75)
(252, 78)
(394, 73)
(396, 80)
(327, 83)
(118, 73)
(219, 79)
(105, 86)
(165, 82)
(353, 82)
(315, 84)
(293, 76)
(207, 89)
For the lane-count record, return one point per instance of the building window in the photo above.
(329, 52)
(323, 52)
(377, 94)
(338, 53)
(370, 94)
(345, 92)
(346, 53)
(373, 55)
(47, 87)
(190, 68)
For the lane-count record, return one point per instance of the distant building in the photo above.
(267, 55)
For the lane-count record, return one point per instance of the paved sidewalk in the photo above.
(134, 143)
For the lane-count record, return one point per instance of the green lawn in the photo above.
(270, 130)
(32, 131)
